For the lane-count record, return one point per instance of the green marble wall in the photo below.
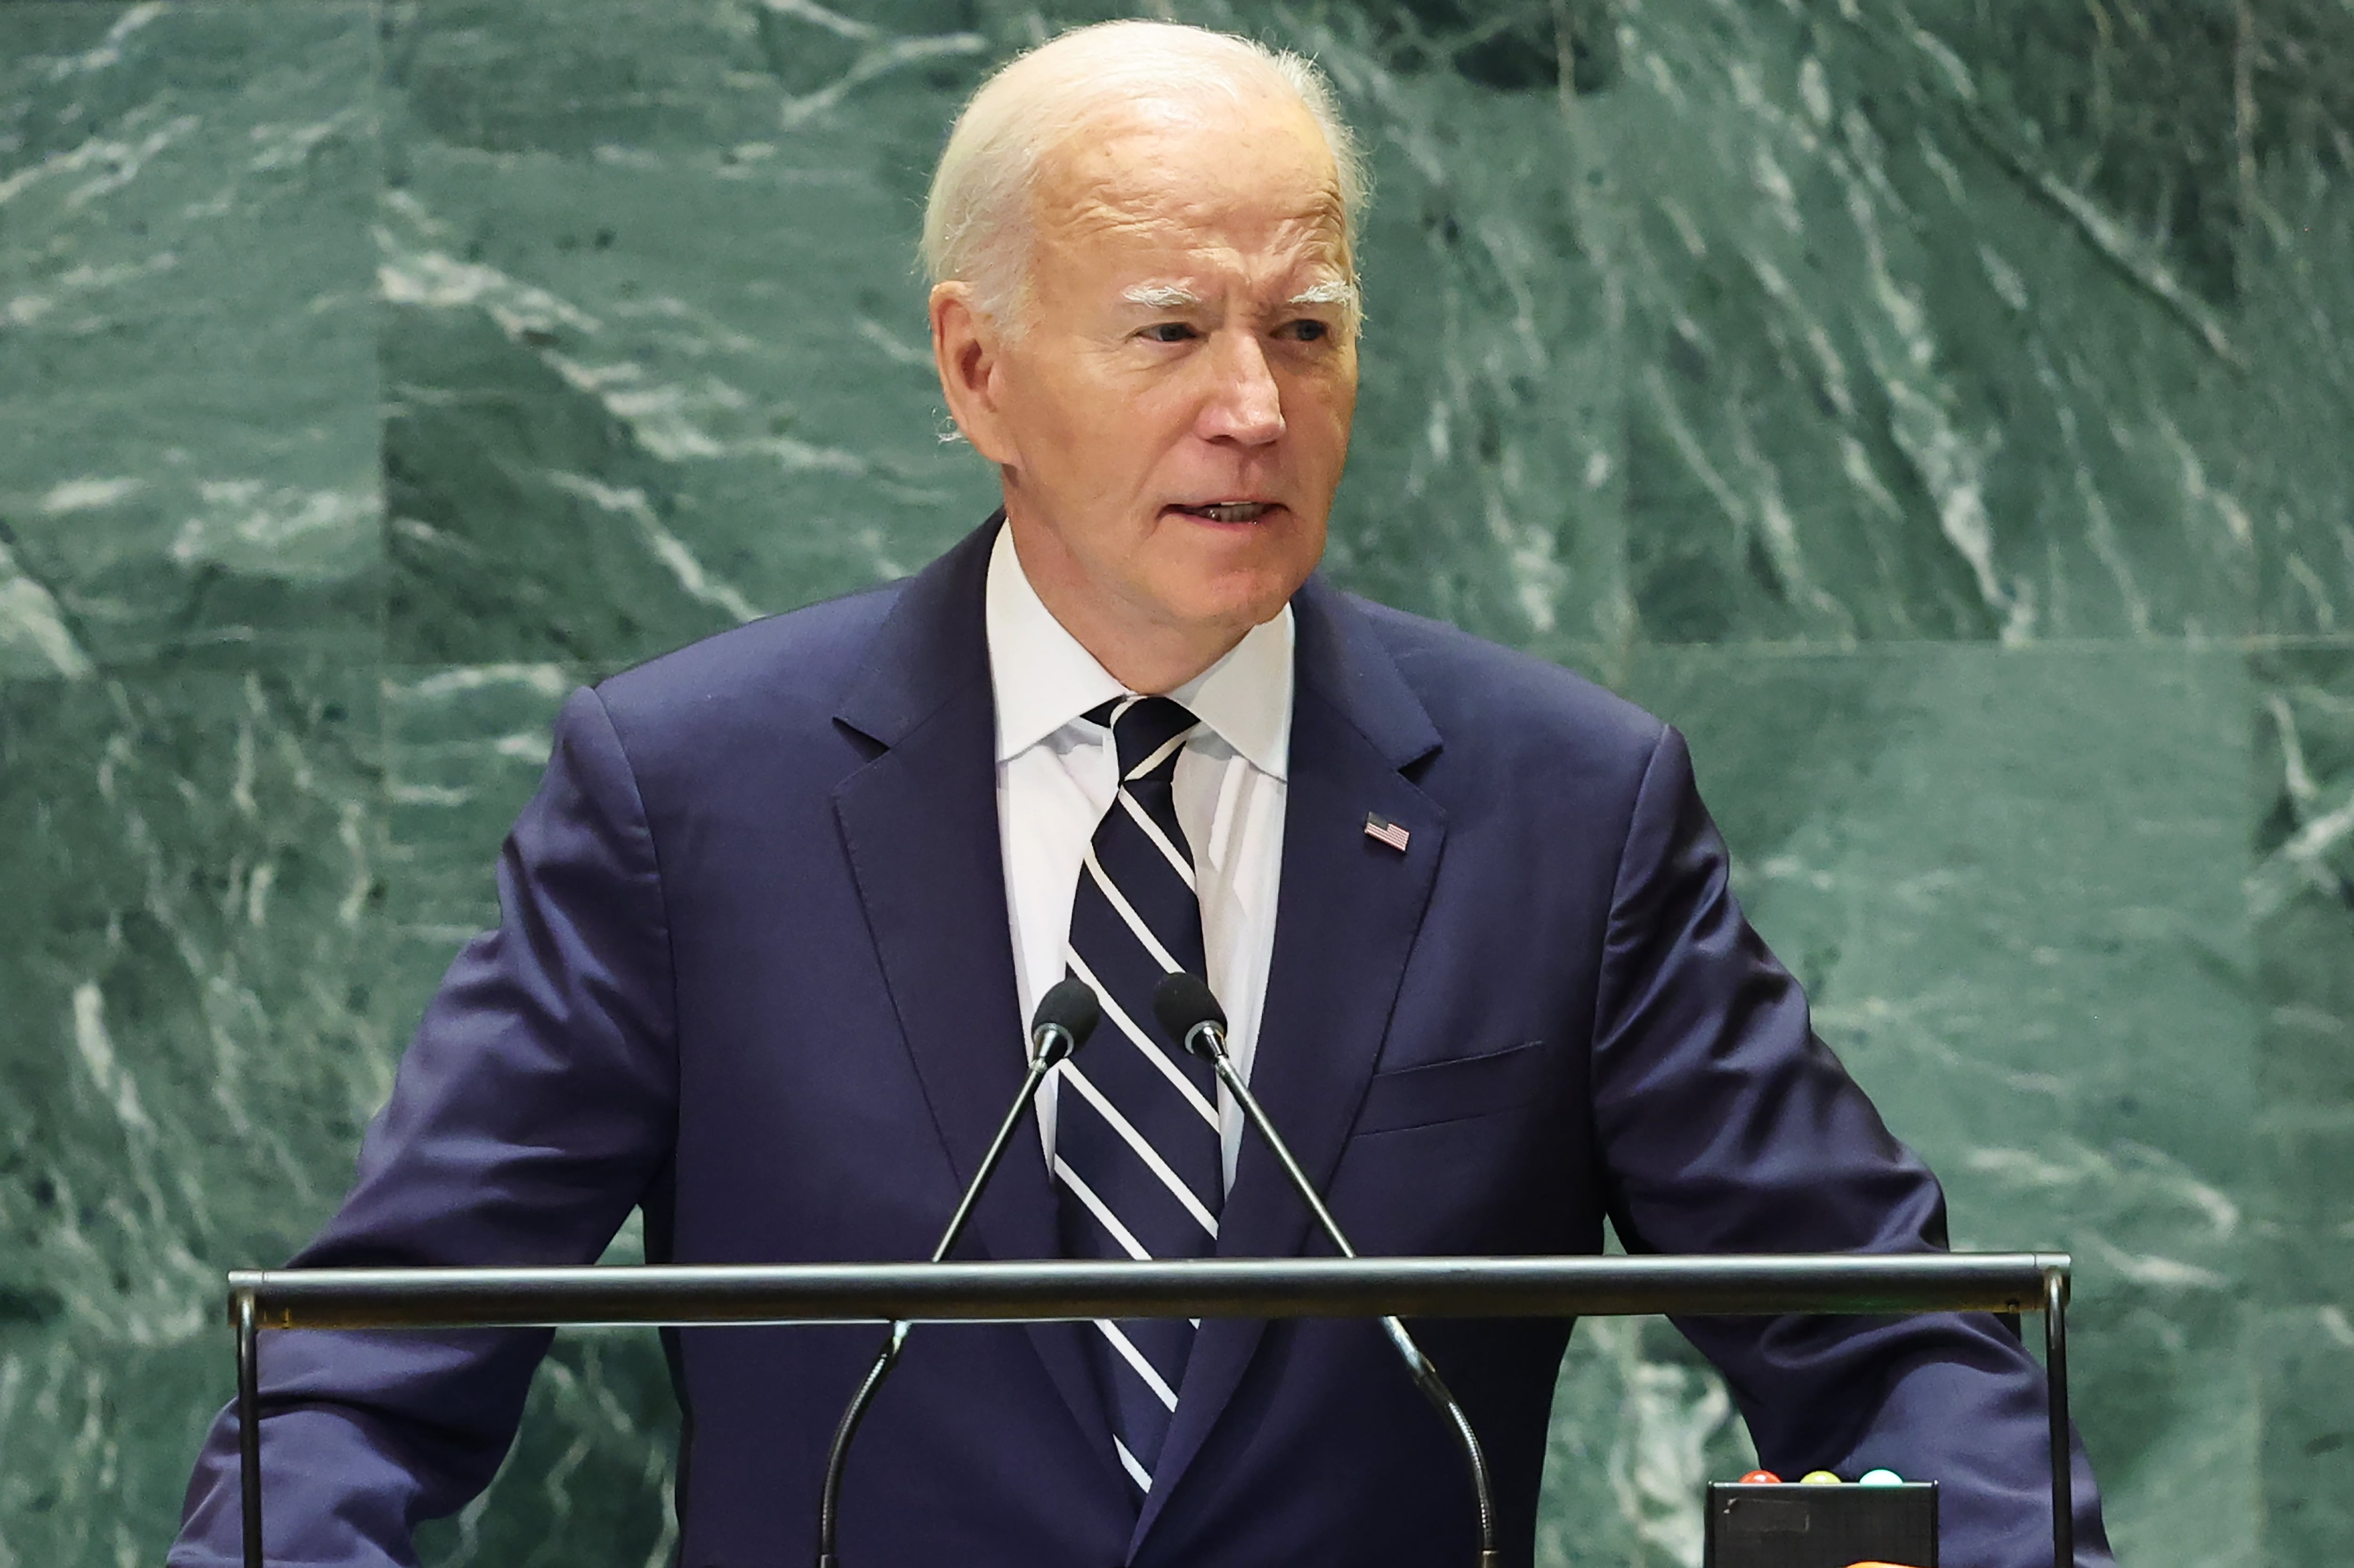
(1943, 412)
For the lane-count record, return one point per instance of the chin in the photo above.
(1239, 600)
(1259, 577)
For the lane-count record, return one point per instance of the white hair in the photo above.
(978, 219)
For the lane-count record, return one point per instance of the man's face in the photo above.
(1172, 416)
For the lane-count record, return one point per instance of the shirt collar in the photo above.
(1043, 678)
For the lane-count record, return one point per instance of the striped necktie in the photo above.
(1137, 1168)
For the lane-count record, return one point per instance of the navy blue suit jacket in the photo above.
(753, 974)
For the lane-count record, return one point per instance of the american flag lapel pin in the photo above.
(1381, 830)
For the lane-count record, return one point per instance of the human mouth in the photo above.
(1229, 511)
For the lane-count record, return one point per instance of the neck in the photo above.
(1140, 650)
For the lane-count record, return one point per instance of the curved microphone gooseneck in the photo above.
(1191, 1014)
(1066, 1015)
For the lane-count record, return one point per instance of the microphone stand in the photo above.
(1053, 1040)
(1207, 1039)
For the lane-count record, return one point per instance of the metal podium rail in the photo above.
(611, 1297)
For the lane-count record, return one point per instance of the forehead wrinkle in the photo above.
(1107, 186)
(1309, 240)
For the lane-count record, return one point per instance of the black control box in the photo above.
(1792, 1525)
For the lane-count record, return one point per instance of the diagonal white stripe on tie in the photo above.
(1143, 819)
(1119, 901)
(1160, 1058)
(1144, 1150)
(1144, 1369)
(1104, 1217)
(1160, 754)
(1136, 1472)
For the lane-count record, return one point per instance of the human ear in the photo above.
(966, 348)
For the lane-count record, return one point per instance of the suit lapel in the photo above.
(1347, 916)
(919, 823)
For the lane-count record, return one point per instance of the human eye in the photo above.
(1169, 331)
(1307, 329)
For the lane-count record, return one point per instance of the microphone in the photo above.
(1066, 1015)
(1191, 1014)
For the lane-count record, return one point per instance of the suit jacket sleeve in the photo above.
(1726, 1126)
(535, 1106)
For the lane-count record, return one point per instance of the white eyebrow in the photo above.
(1162, 297)
(1338, 291)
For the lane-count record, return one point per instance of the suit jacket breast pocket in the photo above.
(1456, 1090)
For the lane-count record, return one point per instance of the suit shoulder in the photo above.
(1474, 690)
(795, 664)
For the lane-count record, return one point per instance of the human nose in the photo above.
(1244, 405)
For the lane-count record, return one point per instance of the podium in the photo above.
(658, 1295)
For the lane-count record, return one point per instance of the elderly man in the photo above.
(772, 925)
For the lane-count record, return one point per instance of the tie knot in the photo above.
(1146, 732)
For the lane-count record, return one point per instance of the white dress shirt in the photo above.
(1058, 774)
